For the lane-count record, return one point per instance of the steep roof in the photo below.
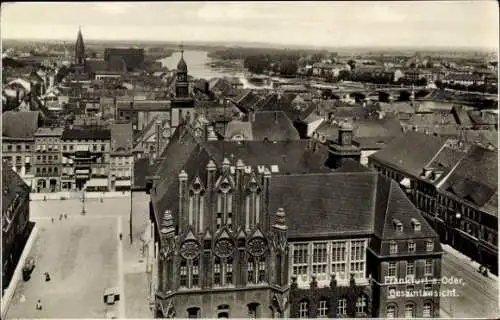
(121, 137)
(411, 152)
(274, 126)
(20, 124)
(238, 127)
(475, 178)
(86, 133)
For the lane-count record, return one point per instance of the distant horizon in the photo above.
(463, 24)
(216, 43)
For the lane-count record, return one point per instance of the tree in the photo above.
(439, 84)
(344, 75)
(352, 64)
(288, 68)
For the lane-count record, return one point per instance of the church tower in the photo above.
(344, 148)
(79, 49)
(181, 81)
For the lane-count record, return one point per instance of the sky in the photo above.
(470, 24)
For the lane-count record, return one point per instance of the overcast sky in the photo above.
(427, 23)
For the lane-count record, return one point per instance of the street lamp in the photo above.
(83, 202)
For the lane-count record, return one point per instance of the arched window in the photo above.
(323, 308)
(409, 310)
(253, 310)
(252, 205)
(256, 270)
(224, 204)
(193, 312)
(427, 310)
(391, 311)
(196, 205)
(189, 273)
(304, 309)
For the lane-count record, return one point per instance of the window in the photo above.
(411, 246)
(262, 270)
(429, 245)
(71, 148)
(409, 310)
(64, 147)
(361, 304)
(38, 158)
(320, 262)
(252, 310)
(27, 147)
(19, 148)
(393, 247)
(183, 274)
(410, 269)
(323, 308)
(410, 290)
(358, 252)
(229, 271)
(341, 307)
(103, 147)
(303, 309)
(217, 272)
(193, 313)
(428, 268)
(300, 257)
(18, 159)
(391, 269)
(427, 310)
(9, 147)
(390, 312)
(339, 259)
(195, 277)
(391, 292)
(251, 270)
(428, 289)
(94, 147)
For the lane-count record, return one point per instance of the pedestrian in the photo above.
(47, 277)
(65, 216)
(52, 219)
(23, 298)
(39, 305)
(121, 236)
(60, 217)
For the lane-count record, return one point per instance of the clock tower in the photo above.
(181, 80)
(183, 103)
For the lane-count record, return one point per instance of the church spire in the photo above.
(79, 48)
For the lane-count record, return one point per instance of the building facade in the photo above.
(121, 157)
(86, 159)
(15, 221)
(456, 191)
(270, 234)
(47, 160)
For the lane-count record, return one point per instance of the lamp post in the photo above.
(83, 202)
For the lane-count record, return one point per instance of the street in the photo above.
(477, 298)
(84, 256)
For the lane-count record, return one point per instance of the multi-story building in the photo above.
(273, 232)
(47, 160)
(86, 159)
(18, 140)
(121, 157)
(15, 221)
(455, 189)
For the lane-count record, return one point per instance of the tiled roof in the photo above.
(475, 179)
(274, 126)
(237, 127)
(411, 152)
(86, 133)
(49, 132)
(121, 137)
(20, 124)
(12, 184)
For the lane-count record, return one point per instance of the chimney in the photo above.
(266, 182)
(183, 177)
(226, 164)
(211, 167)
(276, 117)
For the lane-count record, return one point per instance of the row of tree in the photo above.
(473, 87)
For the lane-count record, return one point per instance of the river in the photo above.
(198, 64)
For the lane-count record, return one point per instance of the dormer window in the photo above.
(398, 226)
(429, 245)
(416, 225)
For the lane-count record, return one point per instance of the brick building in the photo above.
(259, 228)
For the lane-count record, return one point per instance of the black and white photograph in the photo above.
(252, 159)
